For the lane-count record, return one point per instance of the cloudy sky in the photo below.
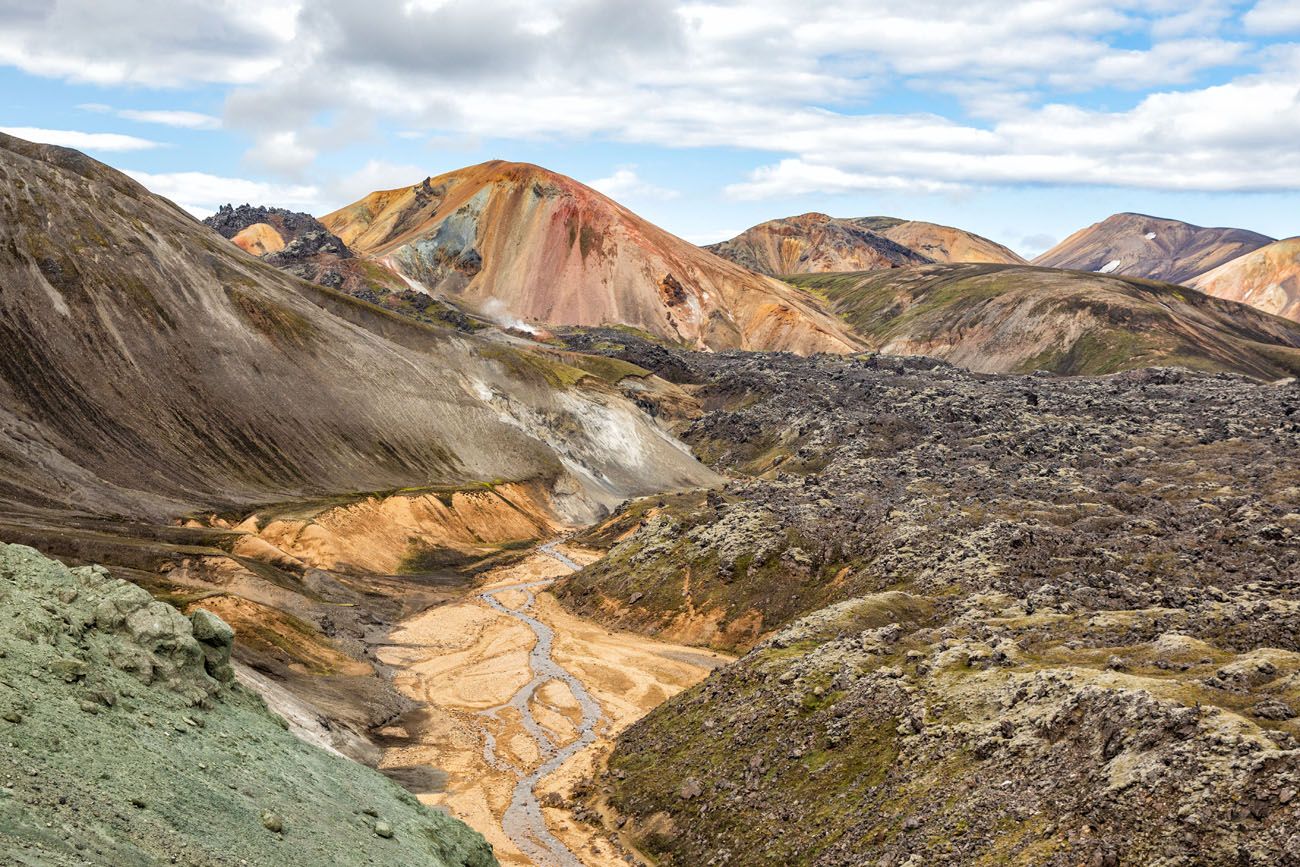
(1020, 120)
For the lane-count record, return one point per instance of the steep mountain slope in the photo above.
(942, 243)
(1267, 278)
(813, 243)
(137, 748)
(1158, 249)
(150, 369)
(990, 620)
(1007, 318)
(526, 245)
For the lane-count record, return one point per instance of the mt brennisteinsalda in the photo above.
(518, 242)
(488, 520)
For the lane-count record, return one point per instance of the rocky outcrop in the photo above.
(915, 748)
(127, 743)
(230, 222)
(530, 248)
(1011, 319)
(1152, 247)
(300, 245)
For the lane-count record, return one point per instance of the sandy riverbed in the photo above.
(468, 661)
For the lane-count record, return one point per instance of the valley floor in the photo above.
(521, 703)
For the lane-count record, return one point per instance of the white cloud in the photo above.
(1189, 17)
(625, 183)
(158, 43)
(201, 194)
(795, 177)
(180, 119)
(1232, 137)
(1273, 17)
(1172, 62)
(790, 80)
(284, 152)
(86, 141)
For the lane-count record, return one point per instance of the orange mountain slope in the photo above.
(1267, 278)
(815, 243)
(943, 243)
(526, 245)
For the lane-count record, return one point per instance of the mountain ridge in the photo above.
(1157, 248)
(1021, 318)
(816, 243)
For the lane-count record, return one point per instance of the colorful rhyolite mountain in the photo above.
(1267, 278)
(816, 243)
(531, 247)
(1142, 246)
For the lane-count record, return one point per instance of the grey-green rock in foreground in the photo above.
(121, 744)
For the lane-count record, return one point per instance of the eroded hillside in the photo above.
(814, 243)
(1267, 278)
(817, 243)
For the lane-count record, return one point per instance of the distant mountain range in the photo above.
(1019, 319)
(514, 245)
(1234, 264)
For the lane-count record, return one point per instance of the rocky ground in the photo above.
(1024, 619)
(123, 740)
